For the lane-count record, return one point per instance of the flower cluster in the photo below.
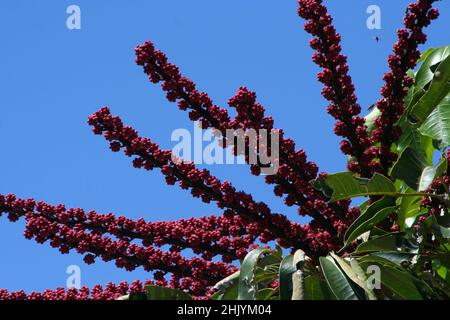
(208, 236)
(158, 247)
(397, 82)
(180, 88)
(259, 220)
(110, 292)
(295, 171)
(54, 224)
(338, 87)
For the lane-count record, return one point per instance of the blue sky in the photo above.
(53, 78)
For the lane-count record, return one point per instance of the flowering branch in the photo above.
(406, 53)
(339, 88)
(43, 225)
(110, 292)
(294, 172)
(257, 216)
(208, 236)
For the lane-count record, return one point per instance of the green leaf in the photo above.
(408, 207)
(442, 233)
(425, 54)
(400, 282)
(344, 185)
(247, 286)
(439, 88)
(336, 280)
(409, 166)
(437, 125)
(363, 277)
(369, 213)
(358, 278)
(228, 287)
(398, 258)
(382, 243)
(316, 289)
(431, 57)
(412, 137)
(368, 224)
(265, 294)
(431, 172)
(287, 268)
(161, 293)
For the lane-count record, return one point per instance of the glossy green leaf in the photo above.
(368, 213)
(410, 165)
(227, 289)
(438, 89)
(431, 57)
(382, 243)
(247, 286)
(162, 293)
(363, 278)
(408, 207)
(398, 258)
(437, 125)
(357, 277)
(265, 294)
(412, 138)
(400, 282)
(336, 280)
(368, 224)
(287, 268)
(316, 289)
(344, 185)
(431, 172)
